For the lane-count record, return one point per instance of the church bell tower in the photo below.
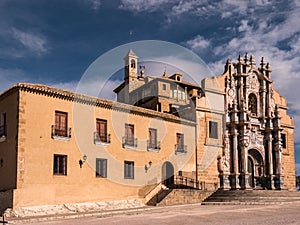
(131, 67)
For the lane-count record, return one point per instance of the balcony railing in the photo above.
(100, 139)
(129, 142)
(60, 133)
(153, 146)
(180, 149)
(2, 130)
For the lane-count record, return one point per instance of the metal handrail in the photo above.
(101, 138)
(56, 132)
(131, 142)
(191, 183)
(151, 145)
(186, 182)
(179, 148)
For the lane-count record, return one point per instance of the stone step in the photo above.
(251, 197)
(259, 193)
(252, 200)
(255, 197)
(245, 203)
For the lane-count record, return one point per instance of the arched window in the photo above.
(132, 63)
(252, 104)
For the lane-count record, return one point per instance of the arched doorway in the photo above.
(168, 174)
(256, 169)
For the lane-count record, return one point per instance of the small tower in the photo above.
(131, 66)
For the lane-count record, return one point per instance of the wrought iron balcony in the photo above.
(63, 134)
(153, 146)
(2, 130)
(129, 142)
(180, 149)
(101, 139)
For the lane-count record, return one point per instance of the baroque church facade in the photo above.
(230, 132)
(257, 128)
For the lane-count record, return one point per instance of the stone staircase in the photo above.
(251, 197)
(183, 190)
(184, 196)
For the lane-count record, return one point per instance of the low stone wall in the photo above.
(6, 200)
(185, 196)
(72, 208)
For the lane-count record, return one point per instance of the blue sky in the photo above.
(53, 42)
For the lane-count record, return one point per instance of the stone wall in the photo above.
(71, 208)
(184, 196)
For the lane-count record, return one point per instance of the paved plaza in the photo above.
(287, 214)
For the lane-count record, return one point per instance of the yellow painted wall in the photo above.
(35, 160)
(8, 145)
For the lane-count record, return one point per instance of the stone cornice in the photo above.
(89, 100)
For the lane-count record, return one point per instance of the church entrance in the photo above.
(168, 174)
(256, 169)
(251, 171)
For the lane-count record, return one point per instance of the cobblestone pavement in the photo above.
(287, 214)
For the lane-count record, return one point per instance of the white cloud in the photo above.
(30, 41)
(243, 26)
(142, 5)
(198, 43)
(186, 6)
(95, 4)
(278, 42)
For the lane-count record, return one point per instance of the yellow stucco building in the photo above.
(59, 147)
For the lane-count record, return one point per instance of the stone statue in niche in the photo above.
(252, 104)
(224, 160)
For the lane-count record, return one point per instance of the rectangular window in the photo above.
(213, 130)
(180, 147)
(164, 87)
(180, 139)
(61, 124)
(3, 124)
(60, 165)
(283, 140)
(129, 134)
(128, 169)
(152, 138)
(101, 126)
(101, 168)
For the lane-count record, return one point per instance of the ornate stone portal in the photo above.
(252, 153)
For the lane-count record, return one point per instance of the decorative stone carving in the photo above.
(251, 113)
(224, 160)
(252, 82)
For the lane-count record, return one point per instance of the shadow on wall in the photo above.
(6, 200)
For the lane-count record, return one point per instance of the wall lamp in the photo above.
(148, 166)
(81, 161)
